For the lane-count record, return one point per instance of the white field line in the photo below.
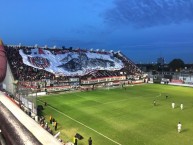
(84, 125)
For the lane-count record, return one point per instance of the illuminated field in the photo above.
(124, 116)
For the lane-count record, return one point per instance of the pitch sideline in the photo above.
(84, 125)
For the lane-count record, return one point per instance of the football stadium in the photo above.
(84, 96)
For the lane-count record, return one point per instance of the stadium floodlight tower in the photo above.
(54, 46)
(36, 45)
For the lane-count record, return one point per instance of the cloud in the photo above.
(149, 13)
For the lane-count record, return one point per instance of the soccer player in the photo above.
(76, 141)
(50, 119)
(179, 127)
(173, 105)
(154, 103)
(55, 125)
(89, 141)
(181, 106)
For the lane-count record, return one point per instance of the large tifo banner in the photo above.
(70, 63)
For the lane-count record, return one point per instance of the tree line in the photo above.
(176, 65)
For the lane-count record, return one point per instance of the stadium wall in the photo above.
(14, 132)
(8, 83)
(184, 85)
(104, 79)
(171, 83)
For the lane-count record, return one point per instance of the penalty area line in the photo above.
(85, 125)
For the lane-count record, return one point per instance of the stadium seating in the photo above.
(31, 65)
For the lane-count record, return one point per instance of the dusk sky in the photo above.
(142, 29)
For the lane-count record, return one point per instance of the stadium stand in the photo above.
(31, 65)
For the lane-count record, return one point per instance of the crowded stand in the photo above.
(48, 67)
(70, 63)
(20, 70)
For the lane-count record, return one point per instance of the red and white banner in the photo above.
(70, 63)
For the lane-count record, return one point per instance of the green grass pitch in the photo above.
(124, 116)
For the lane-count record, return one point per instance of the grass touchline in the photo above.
(83, 124)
